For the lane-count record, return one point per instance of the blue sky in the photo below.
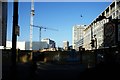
(56, 15)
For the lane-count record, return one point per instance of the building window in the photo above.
(117, 12)
(113, 15)
(116, 17)
(119, 17)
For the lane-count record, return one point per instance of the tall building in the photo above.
(97, 28)
(3, 23)
(51, 43)
(87, 38)
(65, 45)
(77, 37)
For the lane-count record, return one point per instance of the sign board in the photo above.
(112, 33)
(17, 30)
(109, 34)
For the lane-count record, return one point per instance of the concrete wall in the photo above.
(36, 45)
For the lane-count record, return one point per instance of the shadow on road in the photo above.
(48, 71)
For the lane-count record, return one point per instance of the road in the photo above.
(77, 72)
(46, 71)
(49, 71)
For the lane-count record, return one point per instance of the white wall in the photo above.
(8, 44)
(20, 45)
(87, 39)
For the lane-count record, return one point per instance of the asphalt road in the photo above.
(46, 71)
(77, 72)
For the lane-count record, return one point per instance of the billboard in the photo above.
(112, 33)
(109, 34)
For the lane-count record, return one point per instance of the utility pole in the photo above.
(31, 22)
(14, 37)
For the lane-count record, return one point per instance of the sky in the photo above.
(55, 15)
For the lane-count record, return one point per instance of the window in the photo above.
(113, 15)
(116, 17)
(117, 12)
(119, 17)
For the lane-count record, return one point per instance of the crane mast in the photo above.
(31, 22)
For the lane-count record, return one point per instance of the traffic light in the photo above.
(92, 43)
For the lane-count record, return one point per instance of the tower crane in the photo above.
(32, 13)
(41, 27)
(31, 22)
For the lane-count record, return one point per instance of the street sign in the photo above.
(17, 30)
